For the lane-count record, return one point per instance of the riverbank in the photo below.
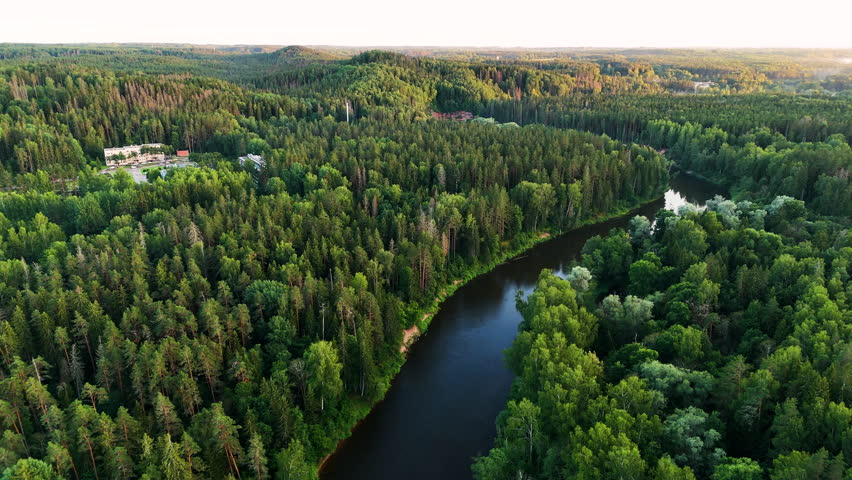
(423, 316)
(715, 181)
(530, 241)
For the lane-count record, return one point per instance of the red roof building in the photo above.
(183, 153)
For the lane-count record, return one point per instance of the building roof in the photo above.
(183, 153)
(256, 159)
(133, 147)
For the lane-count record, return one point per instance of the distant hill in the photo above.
(298, 55)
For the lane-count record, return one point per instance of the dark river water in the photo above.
(440, 410)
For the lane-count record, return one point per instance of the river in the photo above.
(440, 410)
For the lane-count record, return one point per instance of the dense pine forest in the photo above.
(229, 321)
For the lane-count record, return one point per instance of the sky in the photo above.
(501, 23)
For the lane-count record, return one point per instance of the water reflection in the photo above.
(685, 189)
(440, 411)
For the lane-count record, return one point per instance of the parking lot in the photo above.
(138, 171)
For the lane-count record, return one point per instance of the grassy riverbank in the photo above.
(717, 181)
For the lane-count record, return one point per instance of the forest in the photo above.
(758, 146)
(229, 322)
(714, 345)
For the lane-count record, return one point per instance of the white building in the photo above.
(130, 154)
(257, 160)
(702, 85)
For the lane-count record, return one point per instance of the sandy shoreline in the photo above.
(409, 334)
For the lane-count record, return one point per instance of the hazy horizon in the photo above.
(434, 46)
(443, 23)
